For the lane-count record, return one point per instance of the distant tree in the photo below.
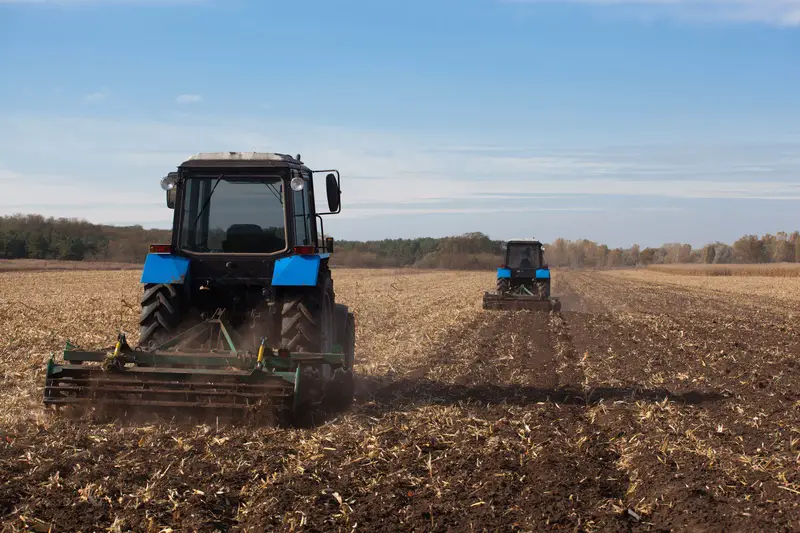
(615, 257)
(16, 246)
(723, 254)
(749, 249)
(796, 245)
(647, 256)
(631, 255)
(782, 250)
(709, 254)
(37, 246)
(72, 249)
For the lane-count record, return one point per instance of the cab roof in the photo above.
(524, 241)
(242, 159)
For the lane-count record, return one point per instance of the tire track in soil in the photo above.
(516, 372)
(703, 462)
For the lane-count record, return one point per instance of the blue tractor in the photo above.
(523, 280)
(238, 312)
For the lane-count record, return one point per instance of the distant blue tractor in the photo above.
(523, 281)
(239, 310)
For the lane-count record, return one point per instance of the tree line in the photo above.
(37, 237)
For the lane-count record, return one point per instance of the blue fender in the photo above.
(543, 273)
(297, 270)
(165, 268)
(503, 273)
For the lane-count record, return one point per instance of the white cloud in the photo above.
(779, 12)
(189, 98)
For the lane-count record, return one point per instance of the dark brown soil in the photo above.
(635, 409)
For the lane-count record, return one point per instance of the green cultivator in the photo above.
(211, 375)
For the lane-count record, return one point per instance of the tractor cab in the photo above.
(524, 255)
(247, 204)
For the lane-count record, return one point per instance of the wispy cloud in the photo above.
(400, 184)
(189, 98)
(778, 12)
(95, 96)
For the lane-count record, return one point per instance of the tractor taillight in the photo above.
(160, 249)
(304, 250)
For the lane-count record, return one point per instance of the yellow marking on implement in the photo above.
(260, 353)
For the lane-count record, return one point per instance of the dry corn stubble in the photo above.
(723, 338)
(779, 270)
(468, 420)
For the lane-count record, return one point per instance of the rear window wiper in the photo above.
(208, 199)
(275, 192)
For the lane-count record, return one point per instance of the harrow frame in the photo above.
(215, 376)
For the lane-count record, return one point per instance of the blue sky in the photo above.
(620, 121)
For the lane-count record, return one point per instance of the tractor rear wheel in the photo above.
(339, 391)
(307, 326)
(503, 285)
(307, 318)
(161, 312)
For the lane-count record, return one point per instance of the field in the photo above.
(652, 402)
(13, 265)
(777, 270)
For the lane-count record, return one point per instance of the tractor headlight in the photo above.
(297, 184)
(168, 183)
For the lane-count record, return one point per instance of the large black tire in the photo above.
(307, 325)
(346, 333)
(503, 285)
(340, 390)
(161, 313)
(307, 317)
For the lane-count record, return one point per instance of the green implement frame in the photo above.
(521, 298)
(215, 376)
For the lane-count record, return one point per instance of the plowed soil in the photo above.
(651, 402)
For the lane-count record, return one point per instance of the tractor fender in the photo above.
(165, 269)
(503, 273)
(297, 270)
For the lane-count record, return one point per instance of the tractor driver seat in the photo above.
(243, 238)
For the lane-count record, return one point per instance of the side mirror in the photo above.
(334, 194)
(170, 184)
